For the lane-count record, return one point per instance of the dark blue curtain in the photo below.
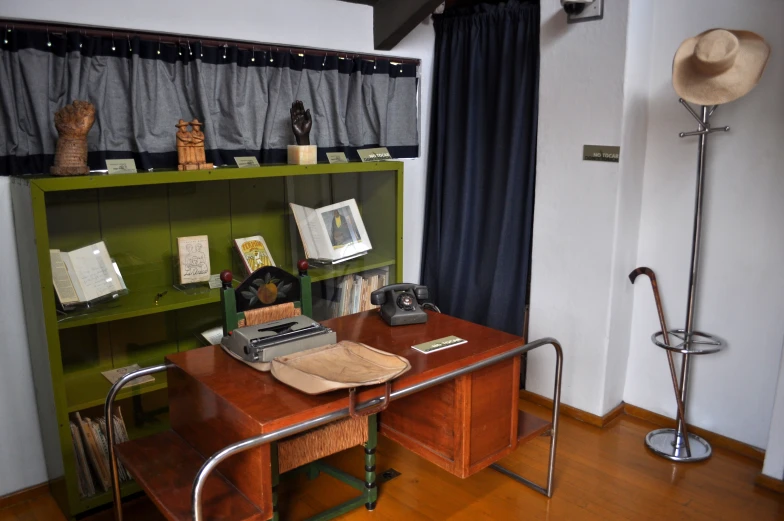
(481, 170)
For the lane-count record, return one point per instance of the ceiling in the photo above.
(394, 19)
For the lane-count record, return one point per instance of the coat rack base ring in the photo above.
(668, 444)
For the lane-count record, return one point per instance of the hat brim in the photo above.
(695, 86)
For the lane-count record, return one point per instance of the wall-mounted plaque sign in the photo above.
(601, 153)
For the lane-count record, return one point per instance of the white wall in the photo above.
(741, 283)
(312, 23)
(629, 196)
(580, 102)
(21, 452)
(774, 455)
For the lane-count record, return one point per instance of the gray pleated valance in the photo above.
(141, 88)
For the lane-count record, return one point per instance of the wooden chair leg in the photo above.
(371, 489)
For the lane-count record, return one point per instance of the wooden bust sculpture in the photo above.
(190, 146)
(73, 122)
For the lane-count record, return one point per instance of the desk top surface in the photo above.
(275, 405)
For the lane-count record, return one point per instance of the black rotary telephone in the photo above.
(400, 303)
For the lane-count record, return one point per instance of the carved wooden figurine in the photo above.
(190, 146)
(73, 122)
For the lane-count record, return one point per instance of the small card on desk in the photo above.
(441, 343)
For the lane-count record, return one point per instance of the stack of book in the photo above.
(352, 292)
(91, 450)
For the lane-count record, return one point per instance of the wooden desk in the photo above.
(462, 425)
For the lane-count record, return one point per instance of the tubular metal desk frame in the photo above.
(235, 448)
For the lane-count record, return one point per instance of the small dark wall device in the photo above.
(400, 303)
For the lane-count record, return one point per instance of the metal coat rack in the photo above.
(678, 444)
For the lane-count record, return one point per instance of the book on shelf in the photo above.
(254, 253)
(194, 256)
(333, 233)
(352, 292)
(91, 449)
(84, 480)
(212, 336)
(85, 275)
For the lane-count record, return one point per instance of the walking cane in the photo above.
(681, 410)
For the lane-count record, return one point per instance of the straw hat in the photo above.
(719, 66)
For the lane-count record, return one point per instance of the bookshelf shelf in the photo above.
(103, 498)
(139, 217)
(370, 261)
(89, 389)
(137, 304)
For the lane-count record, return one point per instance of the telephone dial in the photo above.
(400, 303)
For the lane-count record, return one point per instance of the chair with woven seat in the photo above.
(255, 301)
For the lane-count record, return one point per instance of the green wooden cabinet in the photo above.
(140, 217)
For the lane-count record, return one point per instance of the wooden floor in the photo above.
(600, 474)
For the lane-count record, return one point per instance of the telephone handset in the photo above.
(400, 303)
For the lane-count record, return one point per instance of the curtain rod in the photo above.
(183, 39)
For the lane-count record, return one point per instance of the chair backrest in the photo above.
(268, 293)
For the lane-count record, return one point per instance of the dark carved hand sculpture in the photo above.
(301, 122)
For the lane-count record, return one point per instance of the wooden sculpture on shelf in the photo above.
(72, 122)
(303, 153)
(190, 146)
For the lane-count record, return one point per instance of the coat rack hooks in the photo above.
(704, 124)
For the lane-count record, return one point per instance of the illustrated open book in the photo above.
(85, 274)
(333, 233)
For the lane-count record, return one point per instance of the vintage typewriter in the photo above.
(263, 342)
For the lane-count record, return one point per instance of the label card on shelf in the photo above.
(215, 281)
(115, 374)
(121, 166)
(336, 157)
(247, 161)
(374, 154)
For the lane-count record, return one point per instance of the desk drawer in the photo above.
(463, 425)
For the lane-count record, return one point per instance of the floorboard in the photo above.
(601, 474)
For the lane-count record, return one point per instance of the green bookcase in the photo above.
(139, 217)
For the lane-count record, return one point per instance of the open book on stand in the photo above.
(85, 275)
(333, 233)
